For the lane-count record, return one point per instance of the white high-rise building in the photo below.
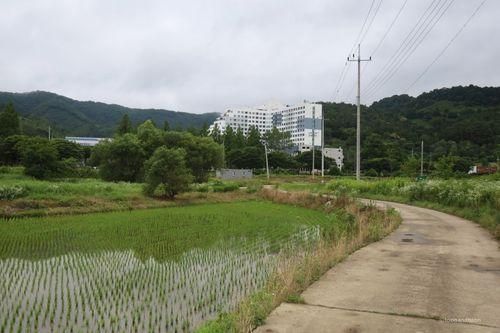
(296, 119)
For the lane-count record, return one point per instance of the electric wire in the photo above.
(348, 96)
(446, 47)
(413, 44)
(347, 64)
(371, 22)
(398, 50)
(389, 29)
(418, 41)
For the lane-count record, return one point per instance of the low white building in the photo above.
(85, 141)
(234, 173)
(336, 154)
(300, 120)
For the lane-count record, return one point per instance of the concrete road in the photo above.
(435, 273)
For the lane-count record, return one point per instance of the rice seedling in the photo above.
(161, 270)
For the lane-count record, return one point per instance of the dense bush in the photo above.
(40, 159)
(121, 159)
(166, 173)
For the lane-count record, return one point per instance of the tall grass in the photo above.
(474, 198)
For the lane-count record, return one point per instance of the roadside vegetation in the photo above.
(475, 198)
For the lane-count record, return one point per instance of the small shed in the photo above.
(234, 173)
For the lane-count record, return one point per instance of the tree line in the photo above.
(248, 151)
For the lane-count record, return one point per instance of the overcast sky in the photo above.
(207, 55)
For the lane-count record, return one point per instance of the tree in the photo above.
(39, 158)
(121, 159)
(282, 160)
(277, 140)
(9, 122)
(204, 130)
(411, 167)
(125, 126)
(246, 158)
(166, 173)
(216, 134)
(149, 136)
(9, 148)
(444, 166)
(202, 153)
(254, 138)
(305, 160)
(371, 173)
(334, 170)
(229, 139)
(166, 126)
(239, 139)
(67, 149)
(382, 165)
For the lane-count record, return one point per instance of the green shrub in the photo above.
(166, 173)
(12, 192)
(220, 186)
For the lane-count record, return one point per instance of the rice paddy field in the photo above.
(156, 270)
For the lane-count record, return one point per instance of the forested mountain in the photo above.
(458, 121)
(67, 116)
(462, 122)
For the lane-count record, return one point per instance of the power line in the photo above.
(447, 46)
(347, 64)
(356, 42)
(415, 43)
(413, 47)
(396, 53)
(362, 38)
(389, 29)
(371, 22)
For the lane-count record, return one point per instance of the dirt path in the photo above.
(435, 273)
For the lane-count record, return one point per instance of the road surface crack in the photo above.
(409, 315)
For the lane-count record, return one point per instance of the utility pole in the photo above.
(422, 159)
(313, 134)
(49, 133)
(267, 162)
(322, 145)
(358, 112)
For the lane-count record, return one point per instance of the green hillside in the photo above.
(459, 121)
(70, 117)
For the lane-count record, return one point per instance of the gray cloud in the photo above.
(201, 56)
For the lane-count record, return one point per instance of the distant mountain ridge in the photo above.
(67, 116)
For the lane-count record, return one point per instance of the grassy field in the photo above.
(21, 195)
(159, 270)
